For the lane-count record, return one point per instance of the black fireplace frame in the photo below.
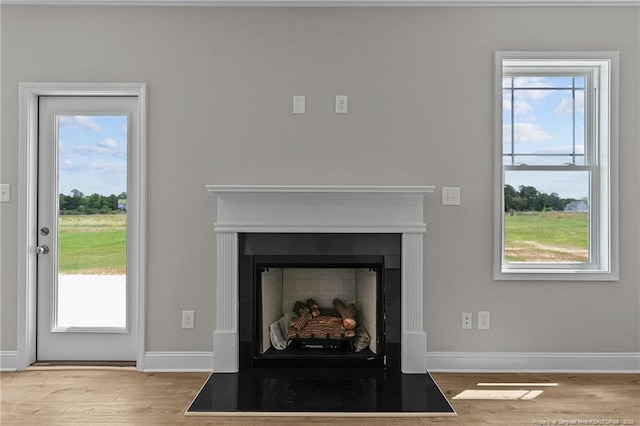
(379, 251)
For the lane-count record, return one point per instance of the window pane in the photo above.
(536, 81)
(546, 216)
(580, 124)
(549, 160)
(545, 120)
(506, 122)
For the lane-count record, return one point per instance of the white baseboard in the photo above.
(519, 362)
(453, 362)
(8, 360)
(178, 361)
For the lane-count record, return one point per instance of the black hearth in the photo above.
(275, 270)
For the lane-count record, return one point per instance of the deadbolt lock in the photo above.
(44, 231)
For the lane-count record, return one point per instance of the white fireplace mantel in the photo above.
(317, 209)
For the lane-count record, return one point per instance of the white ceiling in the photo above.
(327, 3)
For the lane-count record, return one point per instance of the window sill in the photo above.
(555, 275)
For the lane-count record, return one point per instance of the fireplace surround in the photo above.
(278, 270)
(319, 210)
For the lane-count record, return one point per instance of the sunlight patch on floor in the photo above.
(518, 384)
(498, 394)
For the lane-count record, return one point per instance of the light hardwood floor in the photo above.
(125, 397)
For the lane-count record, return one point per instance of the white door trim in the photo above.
(27, 208)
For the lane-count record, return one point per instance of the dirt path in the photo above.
(535, 252)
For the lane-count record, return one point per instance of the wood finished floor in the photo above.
(121, 396)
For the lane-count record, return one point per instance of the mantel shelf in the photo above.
(319, 189)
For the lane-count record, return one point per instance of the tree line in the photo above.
(528, 198)
(78, 203)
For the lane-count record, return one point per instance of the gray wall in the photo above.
(419, 82)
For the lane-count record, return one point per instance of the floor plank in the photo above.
(110, 396)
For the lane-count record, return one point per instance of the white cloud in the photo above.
(108, 168)
(106, 146)
(62, 148)
(562, 149)
(531, 83)
(80, 121)
(93, 150)
(525, 132)
(66, 164)
(522, 107)
(566, 105)
(108, 143)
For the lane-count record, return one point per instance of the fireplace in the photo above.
(279, 271)
(298, 222)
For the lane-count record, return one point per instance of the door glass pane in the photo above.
(92, 221)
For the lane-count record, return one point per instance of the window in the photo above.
(556, 166)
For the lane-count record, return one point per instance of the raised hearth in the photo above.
(316, 209)
(317, 392)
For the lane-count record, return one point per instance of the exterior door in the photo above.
(85, 305)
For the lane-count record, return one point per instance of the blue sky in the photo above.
(544, 117)
(92, 154)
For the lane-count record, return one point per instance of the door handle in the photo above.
(43, 249)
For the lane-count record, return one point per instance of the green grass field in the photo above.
(96, 244)
(92, 244)
(547, 237)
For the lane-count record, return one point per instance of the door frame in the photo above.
(27, 209)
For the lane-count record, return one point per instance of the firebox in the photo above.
(319, 300)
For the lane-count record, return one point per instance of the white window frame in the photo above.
(603, 265)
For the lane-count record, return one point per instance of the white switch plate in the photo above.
(467, 321)
(5, 193)
(299, 106)
(342, 104)
(450, 196)
(188, 319)
(484, 320)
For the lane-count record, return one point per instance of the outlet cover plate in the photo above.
(342, 104)
(299, 104)
(484, 320)
(467, 321)
(188, 319)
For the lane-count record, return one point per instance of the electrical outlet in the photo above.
(484, 320)
(467, 321)
(342, 106)
(188, 319)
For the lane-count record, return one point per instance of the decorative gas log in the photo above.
(348, 313)
(322, 327)
(303, 315)
(313, 307)
(299, 306)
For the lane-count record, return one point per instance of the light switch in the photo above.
(5, 193)
(450, 196)
(299, 105)
(484, 320)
